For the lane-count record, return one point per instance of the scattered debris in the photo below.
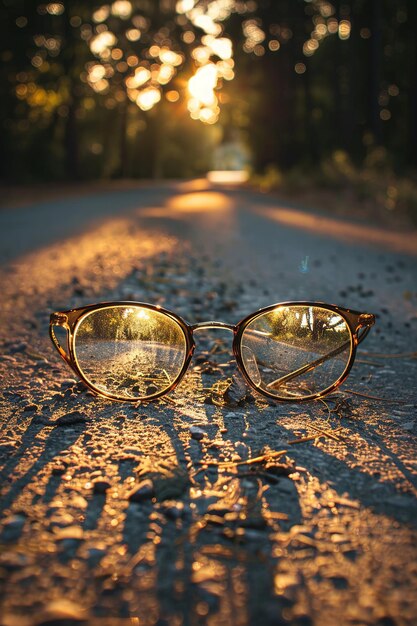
(197, 433)
(101, 486)
(61, 611)
(70, 419)
(12, 527)
(241, 514)
(171, 486)
(143, 491)
(237, 391)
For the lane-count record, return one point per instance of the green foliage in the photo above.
(337, 170)
(272, 179)
(374, 183)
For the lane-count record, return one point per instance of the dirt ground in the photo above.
(213, 506)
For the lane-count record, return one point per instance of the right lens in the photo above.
(296, 351)
(130, 352)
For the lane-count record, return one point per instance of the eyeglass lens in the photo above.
(296, 351)
(130, 351)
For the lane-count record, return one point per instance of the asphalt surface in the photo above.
(205, 508)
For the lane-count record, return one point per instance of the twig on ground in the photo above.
(328, 433)
(371, 397)
(366, 362)
(258, 459)
(398, 355)
(321, 432)
(168, 399)
(329, 411)
(305, 439)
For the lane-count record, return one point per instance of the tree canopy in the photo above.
(149, 87)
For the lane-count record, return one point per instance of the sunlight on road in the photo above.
(96, 253)
(345, 231)
(228, 177)
(120, 502)
(196, 184)
(201, 202)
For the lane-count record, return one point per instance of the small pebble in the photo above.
(173, 510)
(12, 528)
(75, 417)
(70, 532)
(18, 347)
(95, 555)
(7, 448)
(144, 491)
(59, 469)
(68, 382)
(13, 560)
(61, 611)
(101, 486)
(134, 451)
(197, 433)
(30, 407)
(237, 392)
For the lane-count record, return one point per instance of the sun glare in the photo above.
(121, 8)
(142, 314)
(203, 101)
(148, 98)
(156, 62)
(201, 86)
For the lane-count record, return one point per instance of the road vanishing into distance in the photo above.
(214, 506)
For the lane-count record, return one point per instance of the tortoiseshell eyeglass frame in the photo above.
(358, 324)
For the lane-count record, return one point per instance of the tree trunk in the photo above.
(310, 134)
(376, 70)
(124, 157)
(155, 125)
(71, 126)
(412, 99)
(71, 141)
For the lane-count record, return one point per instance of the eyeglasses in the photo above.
(132, 351)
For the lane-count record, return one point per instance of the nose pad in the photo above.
(251, 364)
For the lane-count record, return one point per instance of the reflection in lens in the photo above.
(130, 351)
(296, 351)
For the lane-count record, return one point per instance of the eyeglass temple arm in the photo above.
(308, 366)
(59, 319)
(360, 335)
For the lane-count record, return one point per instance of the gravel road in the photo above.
(205, 508)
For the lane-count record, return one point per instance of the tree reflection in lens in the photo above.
(296, 351)
(130, 351)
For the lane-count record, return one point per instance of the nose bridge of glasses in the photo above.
(213, 324)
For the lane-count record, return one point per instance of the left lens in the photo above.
(297, 351)
(130, 352)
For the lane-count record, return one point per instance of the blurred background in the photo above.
(313, 98)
